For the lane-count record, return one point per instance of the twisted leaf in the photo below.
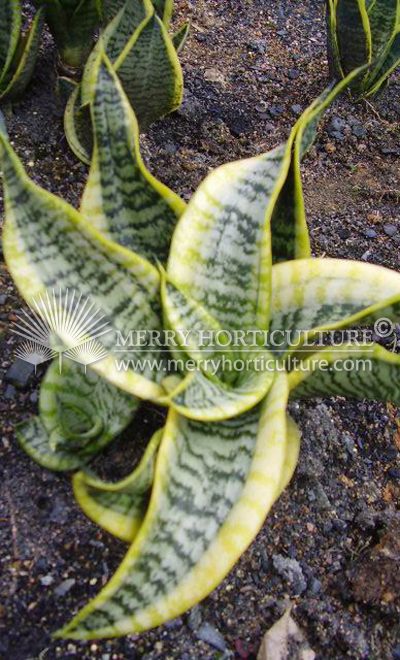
(23, 64)
(121, 198)
(119, 507)
(47, 243)
(79, 414)
(77, 127)
(213, 486)
(312, 295)
(361, 372)
(150, 72)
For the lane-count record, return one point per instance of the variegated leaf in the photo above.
(361, 372)
(27, 52)
(293, 439)
(353, 34)
(200, 398)
(180, 37)
(77, 127)
(385, 68)
(10, 28)
(311, 295)
(221, 249)
(214, 484)
(79, 414)
(119, 507)
(47, 243)
(150, 72)
(198, 334)
(113, 40)
(164, 9)
(121, 198)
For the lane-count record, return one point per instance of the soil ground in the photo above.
(331, 545)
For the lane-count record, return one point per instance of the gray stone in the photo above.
(359, 130)
(211, 636)
(3, 299)
(20, 373)
(370, 233)
(291, 571)
(296, 108)
(64, 587)
(46, 580)
(314, 586)
(390, 230)
(195, 618)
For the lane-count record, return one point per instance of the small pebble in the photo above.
(211, 636)
(370, 233)
(390, 230)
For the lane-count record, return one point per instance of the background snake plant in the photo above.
(145, 57)
(237, 258)
(18, 52)
(72, 24)
(364, 32)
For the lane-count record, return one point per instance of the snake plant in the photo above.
(145, 58)
(364, 32)
(73, 24)
(18, 53)
(236, 259)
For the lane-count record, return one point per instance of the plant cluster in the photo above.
(364, 32)
(235, 259)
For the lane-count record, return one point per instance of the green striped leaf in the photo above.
(47, 243)
(353, 34)
(72, 25)
(164, 9)
(384, 18)
(121, 198)
(79, 414)
(119, 507)
(388, 65)
(24, 61)
(180, 37)
(78, 127)
(199, 335)
(200, 398)
(293, 438)
(214, 484)
(150, 72)
(364, 32)
(113, 40)
(221, 249)
(312, 295)
(10, 28)
(361, 372)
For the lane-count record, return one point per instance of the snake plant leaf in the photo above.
(34, 440)
(79, 414)
(311, 295)
(213, 487)
(293, 438)
(180, 37)
(353, 34)
(21, 67)
(121, 198)
(200, 398)
(10, 29)
(119, 507)
(164, 9)
(364, 32)
(150, 72)
(389, 64)
(78, 127)
(47, 243)
(197, 332)
(361, 372)
(113, 40)
(221, 250)
(72, 25)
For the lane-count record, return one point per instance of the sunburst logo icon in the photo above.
(56, 315)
